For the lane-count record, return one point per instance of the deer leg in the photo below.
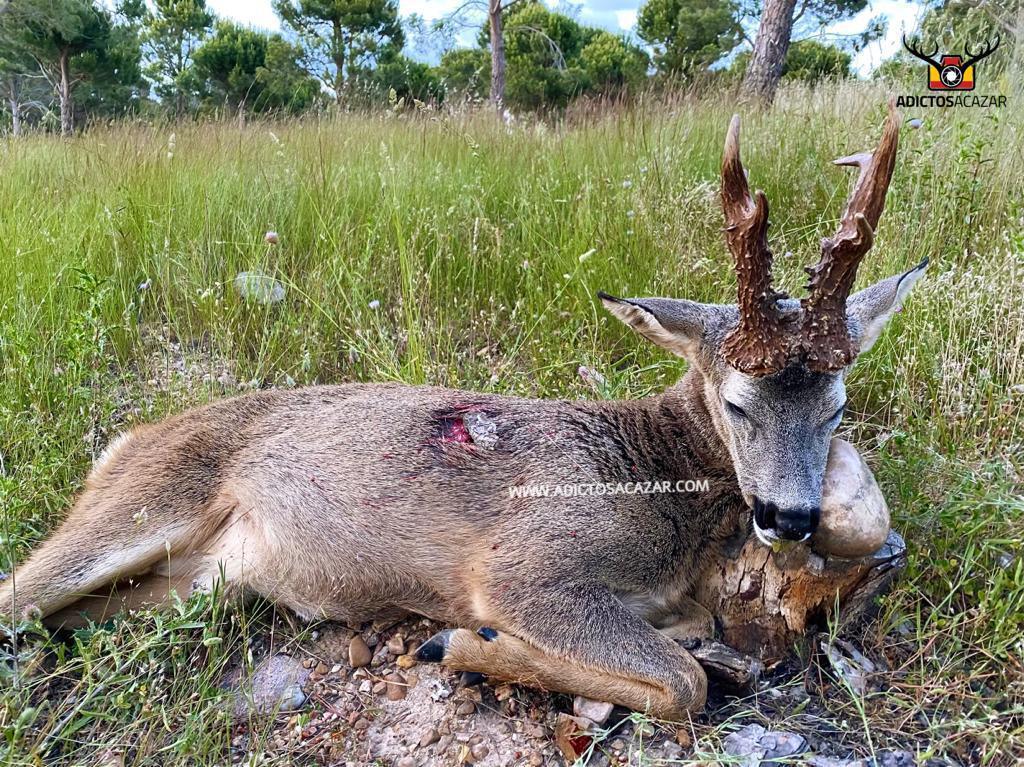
(586, 643)
(687, 620)
(134, 594)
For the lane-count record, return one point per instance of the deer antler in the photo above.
(974, 58)
(761, 341)
(926, 57)
(826, 344)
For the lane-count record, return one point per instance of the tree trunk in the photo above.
(14, 99)
(497, 56)
(766, 602)
(338, 56)
(67, 124)
(769, 54)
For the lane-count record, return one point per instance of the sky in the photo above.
(620, 15)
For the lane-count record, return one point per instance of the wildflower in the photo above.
(627, 184)
(630, 213)
(588, 254)
(271, 238)
(144, 286)
(375, 304)
(915, 123)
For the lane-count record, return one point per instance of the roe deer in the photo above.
(368, 501)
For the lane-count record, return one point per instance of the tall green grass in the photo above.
(119, 249)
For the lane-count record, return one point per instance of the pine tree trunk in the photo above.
(497, 56)
(769, 54)
(67, 123)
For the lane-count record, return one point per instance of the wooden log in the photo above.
(766, 601)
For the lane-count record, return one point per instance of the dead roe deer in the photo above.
(367, 501)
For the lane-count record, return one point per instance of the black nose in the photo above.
(792, 524)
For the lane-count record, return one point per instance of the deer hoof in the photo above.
(435, 648)
(487, 633)
(472, 679)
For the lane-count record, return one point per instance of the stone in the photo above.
(479, 752)
(429, 737)
(405, 661)
(396, 686)
(396, 645)
(594, 710)
(465, 708)
(536, 759)
(753, 744)
(406, 761)
(275, 685)
(359, 653)
(854, 515)
(259, 287)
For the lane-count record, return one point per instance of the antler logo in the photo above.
(951, 72)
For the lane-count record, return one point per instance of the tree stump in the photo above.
(766, 601)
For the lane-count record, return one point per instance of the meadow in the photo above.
(449, 248)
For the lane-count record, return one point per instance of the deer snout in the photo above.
(790, 523)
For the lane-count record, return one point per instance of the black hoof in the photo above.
(435, 648)
(487, 633)
(472, 679)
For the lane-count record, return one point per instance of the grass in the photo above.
(120, 247)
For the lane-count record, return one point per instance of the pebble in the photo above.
(276, 685)
(429, 738)
(396, 645)
(406, 761)
(322, 669)
(396, 686)
(358, 653)
(366, 687)
(465, 708)
(594, 710)
(479, 752)
(405, 661)
(754, 743)
(536, 758)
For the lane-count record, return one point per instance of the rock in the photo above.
(429, 738)
(359, 653)
(854, 515)
(536, 759)
(322, 669)
(259, 287)
(892, 759)
(479, 752)
(465, 708)
(683, 738)
(396, 645)
(405, 661)
(406, 761)
(276, 685)
(396, 686)
(594, 710)
(753, 743)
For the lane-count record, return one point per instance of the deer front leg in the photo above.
(687, 620)
(584, 642)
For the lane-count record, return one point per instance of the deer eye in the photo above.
(735, 410)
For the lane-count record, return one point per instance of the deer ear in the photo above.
(868, 310)
(672, 323)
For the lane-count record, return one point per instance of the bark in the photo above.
(769, 54)
(497, 56)
(14, 101)
(767, 602)
(67, 124)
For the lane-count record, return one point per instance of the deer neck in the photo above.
(686, 425)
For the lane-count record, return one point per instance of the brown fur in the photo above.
(349, 503)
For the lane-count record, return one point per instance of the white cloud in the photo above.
(253, 13)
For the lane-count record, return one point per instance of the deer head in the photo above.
(772, 366)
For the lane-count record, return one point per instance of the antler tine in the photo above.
(826, 341)
(758, 344)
